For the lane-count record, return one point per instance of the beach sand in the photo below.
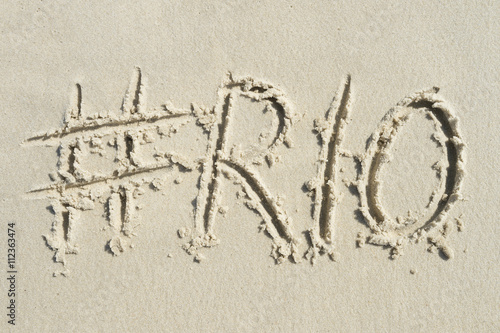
(231, 166)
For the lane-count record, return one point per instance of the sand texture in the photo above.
(235, 166)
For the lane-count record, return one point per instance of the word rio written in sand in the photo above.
(135, 144)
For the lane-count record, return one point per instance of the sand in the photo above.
(257, 166)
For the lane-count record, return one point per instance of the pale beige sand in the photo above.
(182, 116)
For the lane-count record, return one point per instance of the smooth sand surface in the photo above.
(264, 166)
